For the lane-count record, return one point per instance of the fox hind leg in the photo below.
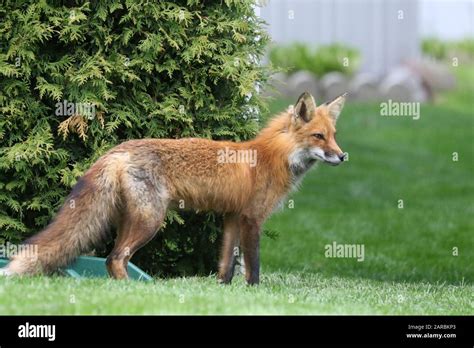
(135, 232)
(144, 211)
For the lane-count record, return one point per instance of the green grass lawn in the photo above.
(409, 266)
(280, 293)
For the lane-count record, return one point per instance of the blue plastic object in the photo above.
(93, 267)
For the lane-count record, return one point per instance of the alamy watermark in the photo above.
(28, 330)
(228, 155)
(67, 108)
(9, 250)
(354, 251)
(404, 109)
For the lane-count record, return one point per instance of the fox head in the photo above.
(313, 129)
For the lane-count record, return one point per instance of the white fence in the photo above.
(447, 19)
(385, 32)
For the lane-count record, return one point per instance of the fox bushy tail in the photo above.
(81, 223)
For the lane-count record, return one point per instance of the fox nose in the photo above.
(342, 156)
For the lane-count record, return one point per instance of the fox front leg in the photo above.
(229, 249)
(250, 243)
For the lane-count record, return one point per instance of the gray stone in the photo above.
(277, 86)
(334, 84)
(303, 81)
(402, 84)
(364, 87)
(435, 76)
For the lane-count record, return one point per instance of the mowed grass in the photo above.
(279, 293)
(417, 260)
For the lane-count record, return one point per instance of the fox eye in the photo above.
(319, 136)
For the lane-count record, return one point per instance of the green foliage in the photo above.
(150, 68)
(434, 48)
(319, 61)
(442, 50)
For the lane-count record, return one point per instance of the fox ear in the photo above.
(305, 107)
(335, 106)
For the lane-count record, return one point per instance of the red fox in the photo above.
(133, 184)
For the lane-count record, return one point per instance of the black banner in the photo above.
(194, 330)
